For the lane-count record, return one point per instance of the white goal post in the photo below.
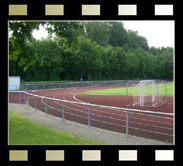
(146, 93)
(142, 86)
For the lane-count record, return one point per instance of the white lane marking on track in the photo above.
(64, 95)
(125, 116)
(75, 94)
(112, 123)
(74, 97)
(96, 114)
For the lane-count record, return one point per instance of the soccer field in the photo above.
(132, 90)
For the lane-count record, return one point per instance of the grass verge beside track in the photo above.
(23, 131)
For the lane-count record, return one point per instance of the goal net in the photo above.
(146, 93)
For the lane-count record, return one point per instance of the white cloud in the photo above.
(158, 33)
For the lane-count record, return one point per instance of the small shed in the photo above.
(14, 83)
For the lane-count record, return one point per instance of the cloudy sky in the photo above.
(158, 33)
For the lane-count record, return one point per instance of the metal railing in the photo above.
(25, 96)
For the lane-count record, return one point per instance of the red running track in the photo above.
(152, 126)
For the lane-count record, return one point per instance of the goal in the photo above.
(152, 93)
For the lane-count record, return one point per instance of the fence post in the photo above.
(63, 110)
(24, 98)
(35, 103)
(19, 98)
(46, 111)
(127, 123)
(153, 91)
(88, 116)
(157, 93)
(127, 93)
(166, 90)
(28, 101)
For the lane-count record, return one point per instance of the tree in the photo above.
(114, 63)
(95, 50)
(67, 30)
(90, 55)
(135, 41)
(20, 49)
(132, 65)
(98, 32)
(117, 34)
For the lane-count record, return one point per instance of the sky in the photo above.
(158, 33)
(41, 33)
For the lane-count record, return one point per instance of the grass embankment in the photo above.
(23, 131)
(132, 90)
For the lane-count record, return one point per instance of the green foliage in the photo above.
(98, 32)
(91, 50)
(135, 41)
(90, 54)
(118, 35)
(67, 30)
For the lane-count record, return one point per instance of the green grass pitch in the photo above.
(133, 90)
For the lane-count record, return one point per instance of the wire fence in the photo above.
(125, 120)
(59, 85)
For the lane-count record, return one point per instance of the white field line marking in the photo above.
(112, 123)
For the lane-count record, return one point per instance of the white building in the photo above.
(14, 83)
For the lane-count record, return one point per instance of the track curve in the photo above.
(142, 125)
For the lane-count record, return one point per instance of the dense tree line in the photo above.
(91, 50)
